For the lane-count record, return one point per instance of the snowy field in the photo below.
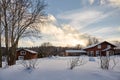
(57, 68)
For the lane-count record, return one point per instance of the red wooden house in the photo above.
(25, 54)
(102, 48)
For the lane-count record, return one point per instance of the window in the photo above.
(20, 57)
(23, 52)
(108, 46)
(91, 53)
(97, 53)
(99, 46)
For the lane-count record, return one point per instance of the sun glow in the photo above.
(75, 42)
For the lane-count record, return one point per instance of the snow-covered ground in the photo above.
(57, 68)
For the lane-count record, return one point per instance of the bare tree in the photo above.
(92, 40)
(46, 44)
(108, 62)
(77, 61)
(104, 62)
(117, 43)
(79, 46)
(30, 64)
(19, 20)
(115, 61)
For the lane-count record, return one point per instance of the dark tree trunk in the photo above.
(12, 50)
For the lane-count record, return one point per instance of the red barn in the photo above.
(25, 54)
(102, 48)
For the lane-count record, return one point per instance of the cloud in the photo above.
(63, 35)
(25, 43)
(67, 34)
(106, 30)
(114, 2)
(58, 35)
(51, 18)
(91, 1)
(119, 29)
(102, 2)
(81, 19)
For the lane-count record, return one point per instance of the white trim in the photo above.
(99, 46)
(108, 46)
(75, 51)
(22, 52)
(20, 57)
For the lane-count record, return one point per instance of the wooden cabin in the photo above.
(25, 54)
(74, 52)
(103, 48)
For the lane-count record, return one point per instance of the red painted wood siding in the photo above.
(27, 56)
(103, 46)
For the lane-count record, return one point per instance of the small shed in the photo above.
(74, 52)
(25, 54)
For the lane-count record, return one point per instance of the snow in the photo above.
(57, 68)
(106, 49)
(75, 51)
(31, 51)
(91, 59)
(91, 46)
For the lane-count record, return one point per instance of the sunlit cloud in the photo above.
(91, 1)
(114, 2)
(25, 43)
(58, 35)
(64, 34)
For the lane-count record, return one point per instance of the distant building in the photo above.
(74, 52)
(25, 54)
(102, 48)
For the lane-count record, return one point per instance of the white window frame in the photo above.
(20, 57)
(99, 46)
(92, 53)
(22, 52)
(97, 52)
(108, 46)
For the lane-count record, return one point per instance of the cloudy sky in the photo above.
(71, 20)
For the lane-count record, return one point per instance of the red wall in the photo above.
(103, 46)
(27, 56)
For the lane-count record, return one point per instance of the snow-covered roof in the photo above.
(118, 47)
(93, 45)
(106, 49)
(31, 51)
(75, 51)
(97, 44)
